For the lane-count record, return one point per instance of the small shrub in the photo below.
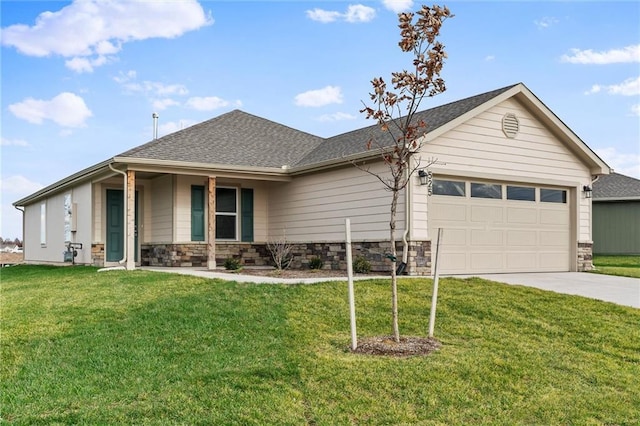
(232, 264)
(316, 263)
(361, 265)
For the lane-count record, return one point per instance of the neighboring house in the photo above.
(507, 191)
(616, 215)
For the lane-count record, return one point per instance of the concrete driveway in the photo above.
(621, 290)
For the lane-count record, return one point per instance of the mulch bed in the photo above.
(408, 346)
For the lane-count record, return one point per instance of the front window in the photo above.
(226, 213)
(43, 224)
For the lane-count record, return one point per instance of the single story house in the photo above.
(508, 190)
(616, 215)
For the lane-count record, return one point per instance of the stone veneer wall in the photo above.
(332, 254)
(585, 256)
(97, 255)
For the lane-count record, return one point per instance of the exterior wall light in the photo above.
(588, 192)
(424, 177)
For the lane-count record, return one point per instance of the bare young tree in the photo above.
(280, 250)
(394, 110)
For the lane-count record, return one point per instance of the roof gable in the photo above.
(355, 142)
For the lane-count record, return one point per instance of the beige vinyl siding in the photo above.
(182, 205)
(478, 147)
(314, 207)
(161, 211)
(260, 211)
(98, 213)
(81, 196)
(51, 252)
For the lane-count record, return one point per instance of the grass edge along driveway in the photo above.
(80, 347)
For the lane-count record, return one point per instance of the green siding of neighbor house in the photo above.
(616, 227)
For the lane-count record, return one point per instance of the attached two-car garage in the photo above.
(497, 227)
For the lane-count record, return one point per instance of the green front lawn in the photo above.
(625, 266)
(81, 347)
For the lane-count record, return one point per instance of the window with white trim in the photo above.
(43, 224)
(226, 213)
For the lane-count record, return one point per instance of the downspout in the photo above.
(407, 225)
(124, 245)
(23, 235)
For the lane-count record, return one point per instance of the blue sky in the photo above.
(80, 80)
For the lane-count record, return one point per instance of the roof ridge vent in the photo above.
(510, 125)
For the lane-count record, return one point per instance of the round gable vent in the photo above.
(510, 125)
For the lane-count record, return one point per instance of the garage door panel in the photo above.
(522, 238)
(484, 214)
(454, 237)
(553, 238)
(520, 216)
(490, 235)
(553, 261)
(480, 237)
(486, 262)
(449, 212)
(456, 262)
(554, 217)
(525, 261)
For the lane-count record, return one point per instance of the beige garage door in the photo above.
(498, 227)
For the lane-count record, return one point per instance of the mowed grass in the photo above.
(81, 347)
(625, 266)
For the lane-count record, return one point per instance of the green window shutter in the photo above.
(197, 213)
(246, 208)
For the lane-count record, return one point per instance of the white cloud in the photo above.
(95, 28)
(627, 54)
(66, 109)
(354, 13)
(209, 103)
(626, 163)
(173, 126)
(162, 104)
(398, 6)
(13, 142)
(124, 77)
(489, 58)
(359, 13)
(81, 65)
(338, 116)
(324, 16)
(545, 22)
(321, 97)
(629, 87)
(18, 186)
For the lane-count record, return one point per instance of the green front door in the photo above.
(116, 226)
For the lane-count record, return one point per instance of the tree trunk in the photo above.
(394, 278)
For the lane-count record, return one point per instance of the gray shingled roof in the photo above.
(355, 142)
(616, 186)
(241, 139)
(235, 138)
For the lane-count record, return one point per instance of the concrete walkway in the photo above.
(621, 290)
(258, 279)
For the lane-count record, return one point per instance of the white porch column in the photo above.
(131, 224)
(211, 229)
